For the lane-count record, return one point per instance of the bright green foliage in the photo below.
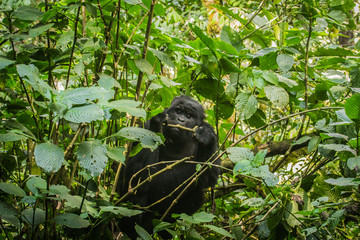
(280, 82)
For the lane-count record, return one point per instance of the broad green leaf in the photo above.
(290, 83)
(264, 52)
(144, 66)
(83, 95)
(34, 32)
(6, 209)
(270, 77)
(285, 62)
(71, 220)
(335, 218)
(338, 147)
(165, 58)
(228, 66)
(12, 189)
(277, 96)
(314, 143)
(263, 172)
(237, 154)
(209, 42)
(27, 13)
(31, 218)
(232, 37)
(335, 76)
(246, 104)
(11, 137)
(352, 108)
(338, 15)
(85, 114)
(49, 157)
(13, 124)
(128, 106)
(292, 207)
(35, 183)
(92, 156)
(5, 62)
(147, 138)
(117, 154)
(66, 38)
(107, 82)
(202, 217)
(30, 74)
(219, 230)
(121, 211)
(354, 162)
(144, 235)
(253, 202)
(342, 116)
(341, 181)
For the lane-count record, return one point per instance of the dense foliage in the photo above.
(280, 81)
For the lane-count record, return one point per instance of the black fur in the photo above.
(179, 144)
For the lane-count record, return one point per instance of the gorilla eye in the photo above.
(188, 115)
(178, 111)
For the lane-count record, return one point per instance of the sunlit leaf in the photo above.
(49, 157)
(92, 156)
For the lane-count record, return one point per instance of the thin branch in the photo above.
(73, 47)
(146, 45)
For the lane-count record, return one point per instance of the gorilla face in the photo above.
(185, 112)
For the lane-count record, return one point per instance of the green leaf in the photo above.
(290, 83)
(117, 154)
(34, 32)
(35, 183)
(285, 62)
(13, 124)
(163, 57)
(336, 217)
(27, 13)
(220, 231)
(237, 154)
(144, 235)
(253, 202)
(49, 157)
(31, 218)
(202, 217)
(228, 66)
(83, 95)
(246, 104)
(232, 37)
(277, 96)
(144, 66)
(341, 181)
(85, 114)
(12, 189)
(205, 39)
(128, 106)
(71, 220)
(11, 137)
(92, 156)
(147, 138)
(121, 211)
(30, 74)
(5, 62)
(6, 209)
(352, 108)
(338, 148)
(314, 143)
(354, 162)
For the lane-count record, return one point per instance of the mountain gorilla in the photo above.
(179, 144)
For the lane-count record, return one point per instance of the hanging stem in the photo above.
(146, 45)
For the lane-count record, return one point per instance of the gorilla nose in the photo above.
(181, 119)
